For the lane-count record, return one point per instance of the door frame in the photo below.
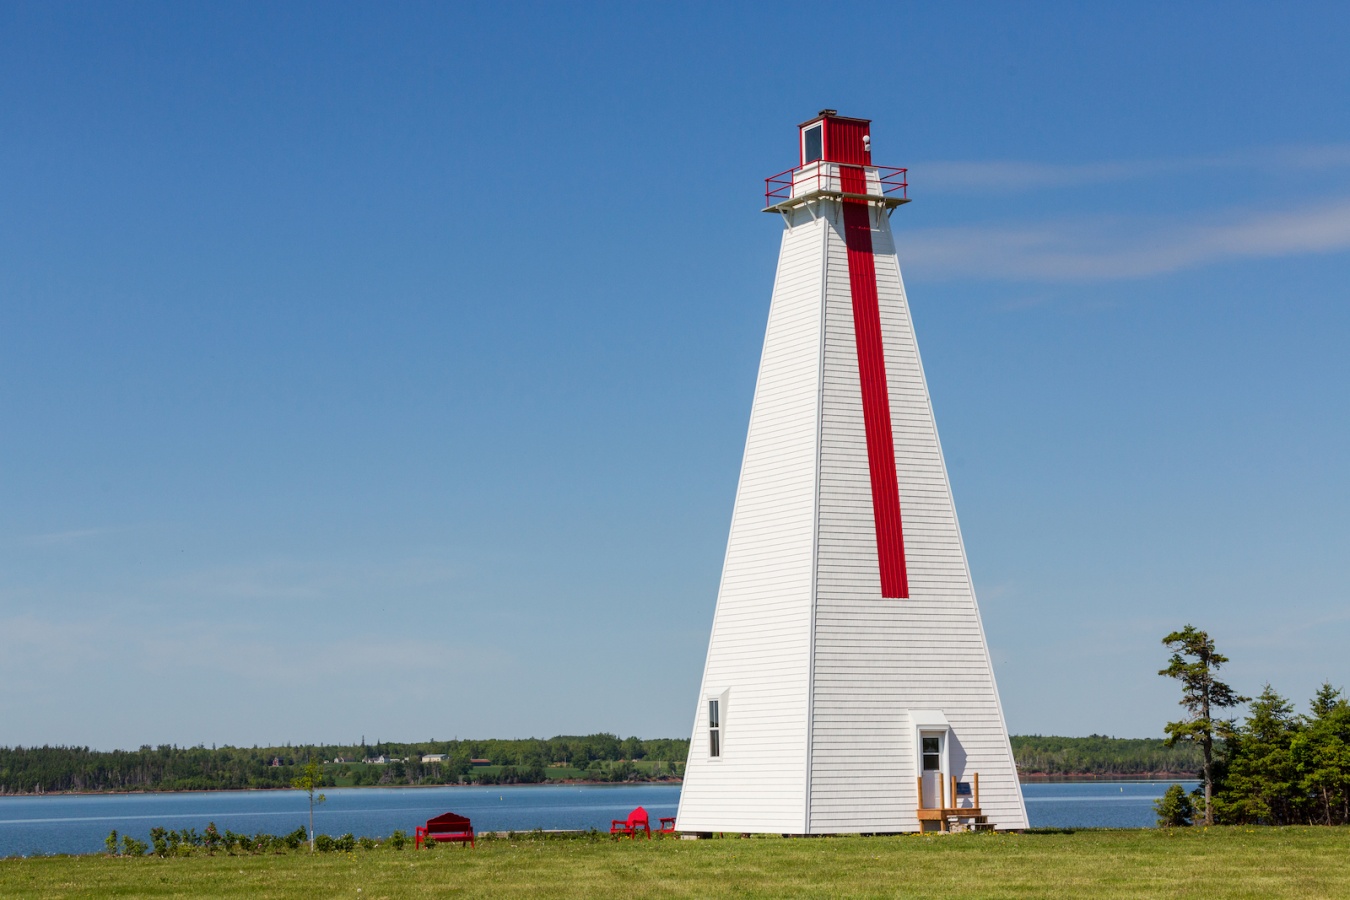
(932, 723)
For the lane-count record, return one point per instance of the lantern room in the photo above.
(834, 162)
(830, 137)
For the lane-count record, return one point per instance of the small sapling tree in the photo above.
(309, 781)
(1194, 662)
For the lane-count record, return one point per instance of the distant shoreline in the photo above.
(344, 787)
(1042, 777)
(1023, 778)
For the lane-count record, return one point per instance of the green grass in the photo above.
(1188, 863)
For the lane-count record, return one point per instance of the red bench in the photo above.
(637, 819)
(444, 828)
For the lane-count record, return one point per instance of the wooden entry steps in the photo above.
(966, 818)
(953, 818)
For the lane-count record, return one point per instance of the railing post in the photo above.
(977, 790)
(919, 780)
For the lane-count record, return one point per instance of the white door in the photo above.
(931, 756)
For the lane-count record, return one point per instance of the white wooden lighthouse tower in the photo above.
(848, 686)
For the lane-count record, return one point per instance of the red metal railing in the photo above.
(825, 177)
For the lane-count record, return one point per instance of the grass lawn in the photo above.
(1219, 862)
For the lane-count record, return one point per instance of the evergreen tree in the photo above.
(1321, 753)
(1261, 784)
(1194, 662)
(1174, 808)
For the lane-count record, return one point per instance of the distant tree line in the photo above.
(1105, 757)
(598, 757)
(602, 757)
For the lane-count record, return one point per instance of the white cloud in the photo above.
(34, 649)
(1116, 248)
(297, 580)
(54, 538)
(1011, 176)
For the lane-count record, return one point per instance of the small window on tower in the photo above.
(714, 729)
(932, 754)
(813, 144)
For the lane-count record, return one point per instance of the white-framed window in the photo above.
(813, 143)
(715, 727)
(932, 753)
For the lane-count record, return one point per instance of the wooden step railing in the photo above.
(948, 807)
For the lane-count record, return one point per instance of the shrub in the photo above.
(110, 842)
(399, 839)
(367, 843)
(346, 843)
(1175, 808)
(132, 847)
(211, 838)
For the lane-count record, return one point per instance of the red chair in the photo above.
(445, 827)
(637, 819)
(667, 825)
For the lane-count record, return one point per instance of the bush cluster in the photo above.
(165, 843)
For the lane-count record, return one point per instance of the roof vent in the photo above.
(828, 112)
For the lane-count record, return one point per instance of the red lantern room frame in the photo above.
(833, 151)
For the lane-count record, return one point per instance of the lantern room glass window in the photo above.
(714, 729)
(813, 144)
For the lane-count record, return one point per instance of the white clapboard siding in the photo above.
(875, 659)
(760, 649)
(818, 673)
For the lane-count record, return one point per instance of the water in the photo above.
(1095, 804)
(78, 824)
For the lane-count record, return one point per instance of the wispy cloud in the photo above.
(1011, 176)
(32, 647)
(284, 580)
(54, 538)
(1118, 248)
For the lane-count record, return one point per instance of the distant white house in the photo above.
(433, 757)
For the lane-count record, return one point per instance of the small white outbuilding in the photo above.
(848, 686)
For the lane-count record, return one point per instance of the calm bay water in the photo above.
(1095, 804)
(78, 824)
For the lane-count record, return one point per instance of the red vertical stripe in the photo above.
(862, 277)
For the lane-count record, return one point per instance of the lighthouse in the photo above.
(848, 686)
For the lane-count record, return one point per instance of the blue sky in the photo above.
(385, 371)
